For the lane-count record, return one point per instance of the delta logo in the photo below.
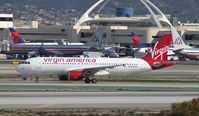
(15, 37)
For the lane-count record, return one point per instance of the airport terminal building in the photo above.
(117, 30)
(113, 34)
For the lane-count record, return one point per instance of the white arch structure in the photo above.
(85, 17)
(149, 5)
(161, 17)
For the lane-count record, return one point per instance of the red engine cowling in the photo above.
(76, 75)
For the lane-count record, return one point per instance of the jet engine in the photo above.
(73, 75)
(76, 75)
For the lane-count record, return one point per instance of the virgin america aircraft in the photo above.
(88, 68)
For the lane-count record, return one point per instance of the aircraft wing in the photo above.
(177, 51)
(94, 70)
(41, 52)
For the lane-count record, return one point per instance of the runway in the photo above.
(8, 69)
(51, 100)
(99, 87)
(56, 94)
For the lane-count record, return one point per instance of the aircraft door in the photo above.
(143, 67)
(38, 66)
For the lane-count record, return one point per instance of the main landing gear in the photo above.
(89, 77)
(24, 78)
(90, 80)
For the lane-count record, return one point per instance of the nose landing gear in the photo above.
(37, 79)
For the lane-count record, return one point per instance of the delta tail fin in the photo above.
(137, 46)
(178, 42)
(135, 40)
(157, 57)
(15, 36)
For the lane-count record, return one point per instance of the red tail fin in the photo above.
(15, 36)
(157, 57)
(135, 40)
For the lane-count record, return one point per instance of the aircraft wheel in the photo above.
(94, 80)
(24, 78)
(37, 80)
(87, 80)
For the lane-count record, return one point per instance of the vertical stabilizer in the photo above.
(157, 57)
(15, 36)
(96, 41)
(178, 42)
(135, 40)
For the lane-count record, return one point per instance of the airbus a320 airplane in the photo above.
(88, 68)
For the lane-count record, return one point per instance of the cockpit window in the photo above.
(24, 62)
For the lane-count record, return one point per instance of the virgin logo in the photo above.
(158, 53)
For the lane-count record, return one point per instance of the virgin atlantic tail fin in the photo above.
(15, 36)
(157, 57)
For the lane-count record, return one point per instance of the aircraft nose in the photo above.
(19, 68)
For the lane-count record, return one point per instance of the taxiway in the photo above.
(54, 94)
(50, 100)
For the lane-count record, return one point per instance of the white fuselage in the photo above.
(105, 66)
(50, 44)
(190, 53)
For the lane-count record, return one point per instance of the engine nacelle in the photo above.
(76, 75)
(73, 75)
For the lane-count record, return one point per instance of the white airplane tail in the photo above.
(96, 41)
(178, 42)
